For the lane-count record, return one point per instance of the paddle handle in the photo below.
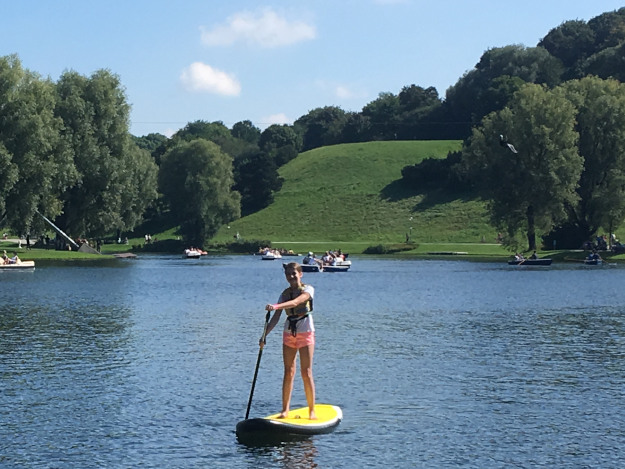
(260, 354)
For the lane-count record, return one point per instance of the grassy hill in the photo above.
(352, 193)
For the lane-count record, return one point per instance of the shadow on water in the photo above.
(296, 453)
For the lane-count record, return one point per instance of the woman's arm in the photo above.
(273, 321)
(302, 298)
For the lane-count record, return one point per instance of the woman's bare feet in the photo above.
(283, 414)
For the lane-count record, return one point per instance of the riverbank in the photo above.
(482, 252)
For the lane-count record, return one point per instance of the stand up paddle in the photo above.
(272, 428)
(260, 354)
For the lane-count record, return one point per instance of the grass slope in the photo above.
(351, 193)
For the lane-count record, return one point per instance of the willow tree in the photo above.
(527, 190)
(116, 181)
(196, 180)
(600, 107)
(35, 166)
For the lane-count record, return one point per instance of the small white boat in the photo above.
(192, 254)
(21, 265)
(271, 256)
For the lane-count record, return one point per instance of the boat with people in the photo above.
(593, 258)
(331, 261)
(543, 261)
(271, 255)
(193, 253)
(593, 261)
(20, 265)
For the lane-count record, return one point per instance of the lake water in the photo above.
(149, 363)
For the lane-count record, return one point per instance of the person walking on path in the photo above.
(298, 336)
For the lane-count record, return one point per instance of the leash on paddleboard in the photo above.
(260, 354)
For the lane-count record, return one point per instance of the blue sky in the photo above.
(270, 62)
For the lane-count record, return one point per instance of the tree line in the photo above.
(67, 153)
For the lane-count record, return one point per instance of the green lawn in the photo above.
(352, 194)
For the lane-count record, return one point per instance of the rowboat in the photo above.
(21, 265)
(593, 261)
(530, 262)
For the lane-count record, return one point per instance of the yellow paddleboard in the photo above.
(296, 423)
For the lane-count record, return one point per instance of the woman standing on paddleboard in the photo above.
(298, 335)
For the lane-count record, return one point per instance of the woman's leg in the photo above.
(306, 360)
(288, 356)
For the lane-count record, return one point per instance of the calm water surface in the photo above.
(149, 362)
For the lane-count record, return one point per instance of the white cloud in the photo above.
(264, 28)
(279, 118)
(169, 132)
(199, 77)
(341, 90)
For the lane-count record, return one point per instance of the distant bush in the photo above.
(166, 245)
(389, 249)
(247, 246)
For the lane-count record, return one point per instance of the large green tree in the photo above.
(115, 181)
(571, 42)
(481, 90)
(528, 190)
(246, 131)
(416, 105)
(257, 180)
(196, 180)
(321, 127)
(383, 114)
(35, 163)
(600, 108)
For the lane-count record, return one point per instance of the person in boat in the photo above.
(5, 258)
(310, 259)
(534, 255)
(15, 259)
(519, 257)
(594, 256)
(328, 259)
(298, 335)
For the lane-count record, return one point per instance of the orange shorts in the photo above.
(302, 339)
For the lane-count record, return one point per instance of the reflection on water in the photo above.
(298, 454)
(435, 364)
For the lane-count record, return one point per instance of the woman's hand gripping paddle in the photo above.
(260, 354)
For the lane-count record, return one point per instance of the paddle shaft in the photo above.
(260, 354)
